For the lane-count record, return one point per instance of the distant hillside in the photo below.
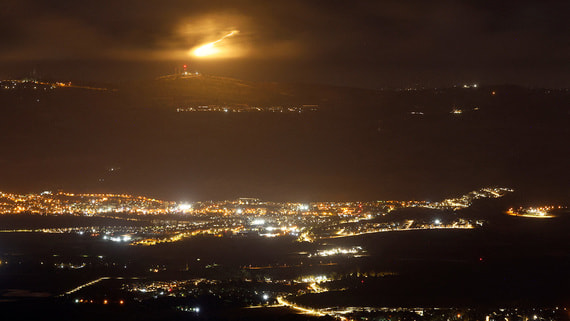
(205, 89)
(361, 144)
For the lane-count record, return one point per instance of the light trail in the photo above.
(302, 310)
(210, 49)
(86, 285)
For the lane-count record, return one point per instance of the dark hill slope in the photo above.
(203, 89)
(362, 144)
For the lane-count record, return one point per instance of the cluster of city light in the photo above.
(315, 279)
(114, 233)
(256, 290)
(189, 309)
(70, 266)
(467, 199)
(240, 217)
(244, 108)
(339, 251)
(336, 231)
(162, 286)
(31, 84)
(348, 313)
(34, 84)
(271, 231)
(535, 212)
(355, 313)
(188, 288)
(120, 238)
(83, 204)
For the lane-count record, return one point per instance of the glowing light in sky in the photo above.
(211, 48)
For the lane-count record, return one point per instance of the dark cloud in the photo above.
(364, 43)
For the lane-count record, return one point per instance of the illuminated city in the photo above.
(136, 221)
(284, 282)
(245, 108)
(241, 217)
(536, 212)
(284, 160)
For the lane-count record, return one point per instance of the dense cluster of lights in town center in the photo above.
(93, 204)
(166, 221)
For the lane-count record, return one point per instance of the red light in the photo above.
(185, 66)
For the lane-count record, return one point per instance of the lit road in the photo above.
(384, 230)
(302, 310)
(86, 285)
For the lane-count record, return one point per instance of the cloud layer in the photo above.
(345, 41)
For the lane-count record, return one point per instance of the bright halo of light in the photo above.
(211, 49)
(184, 207)
(206, 50)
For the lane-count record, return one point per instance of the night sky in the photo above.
(370, 44)
(365, 144)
